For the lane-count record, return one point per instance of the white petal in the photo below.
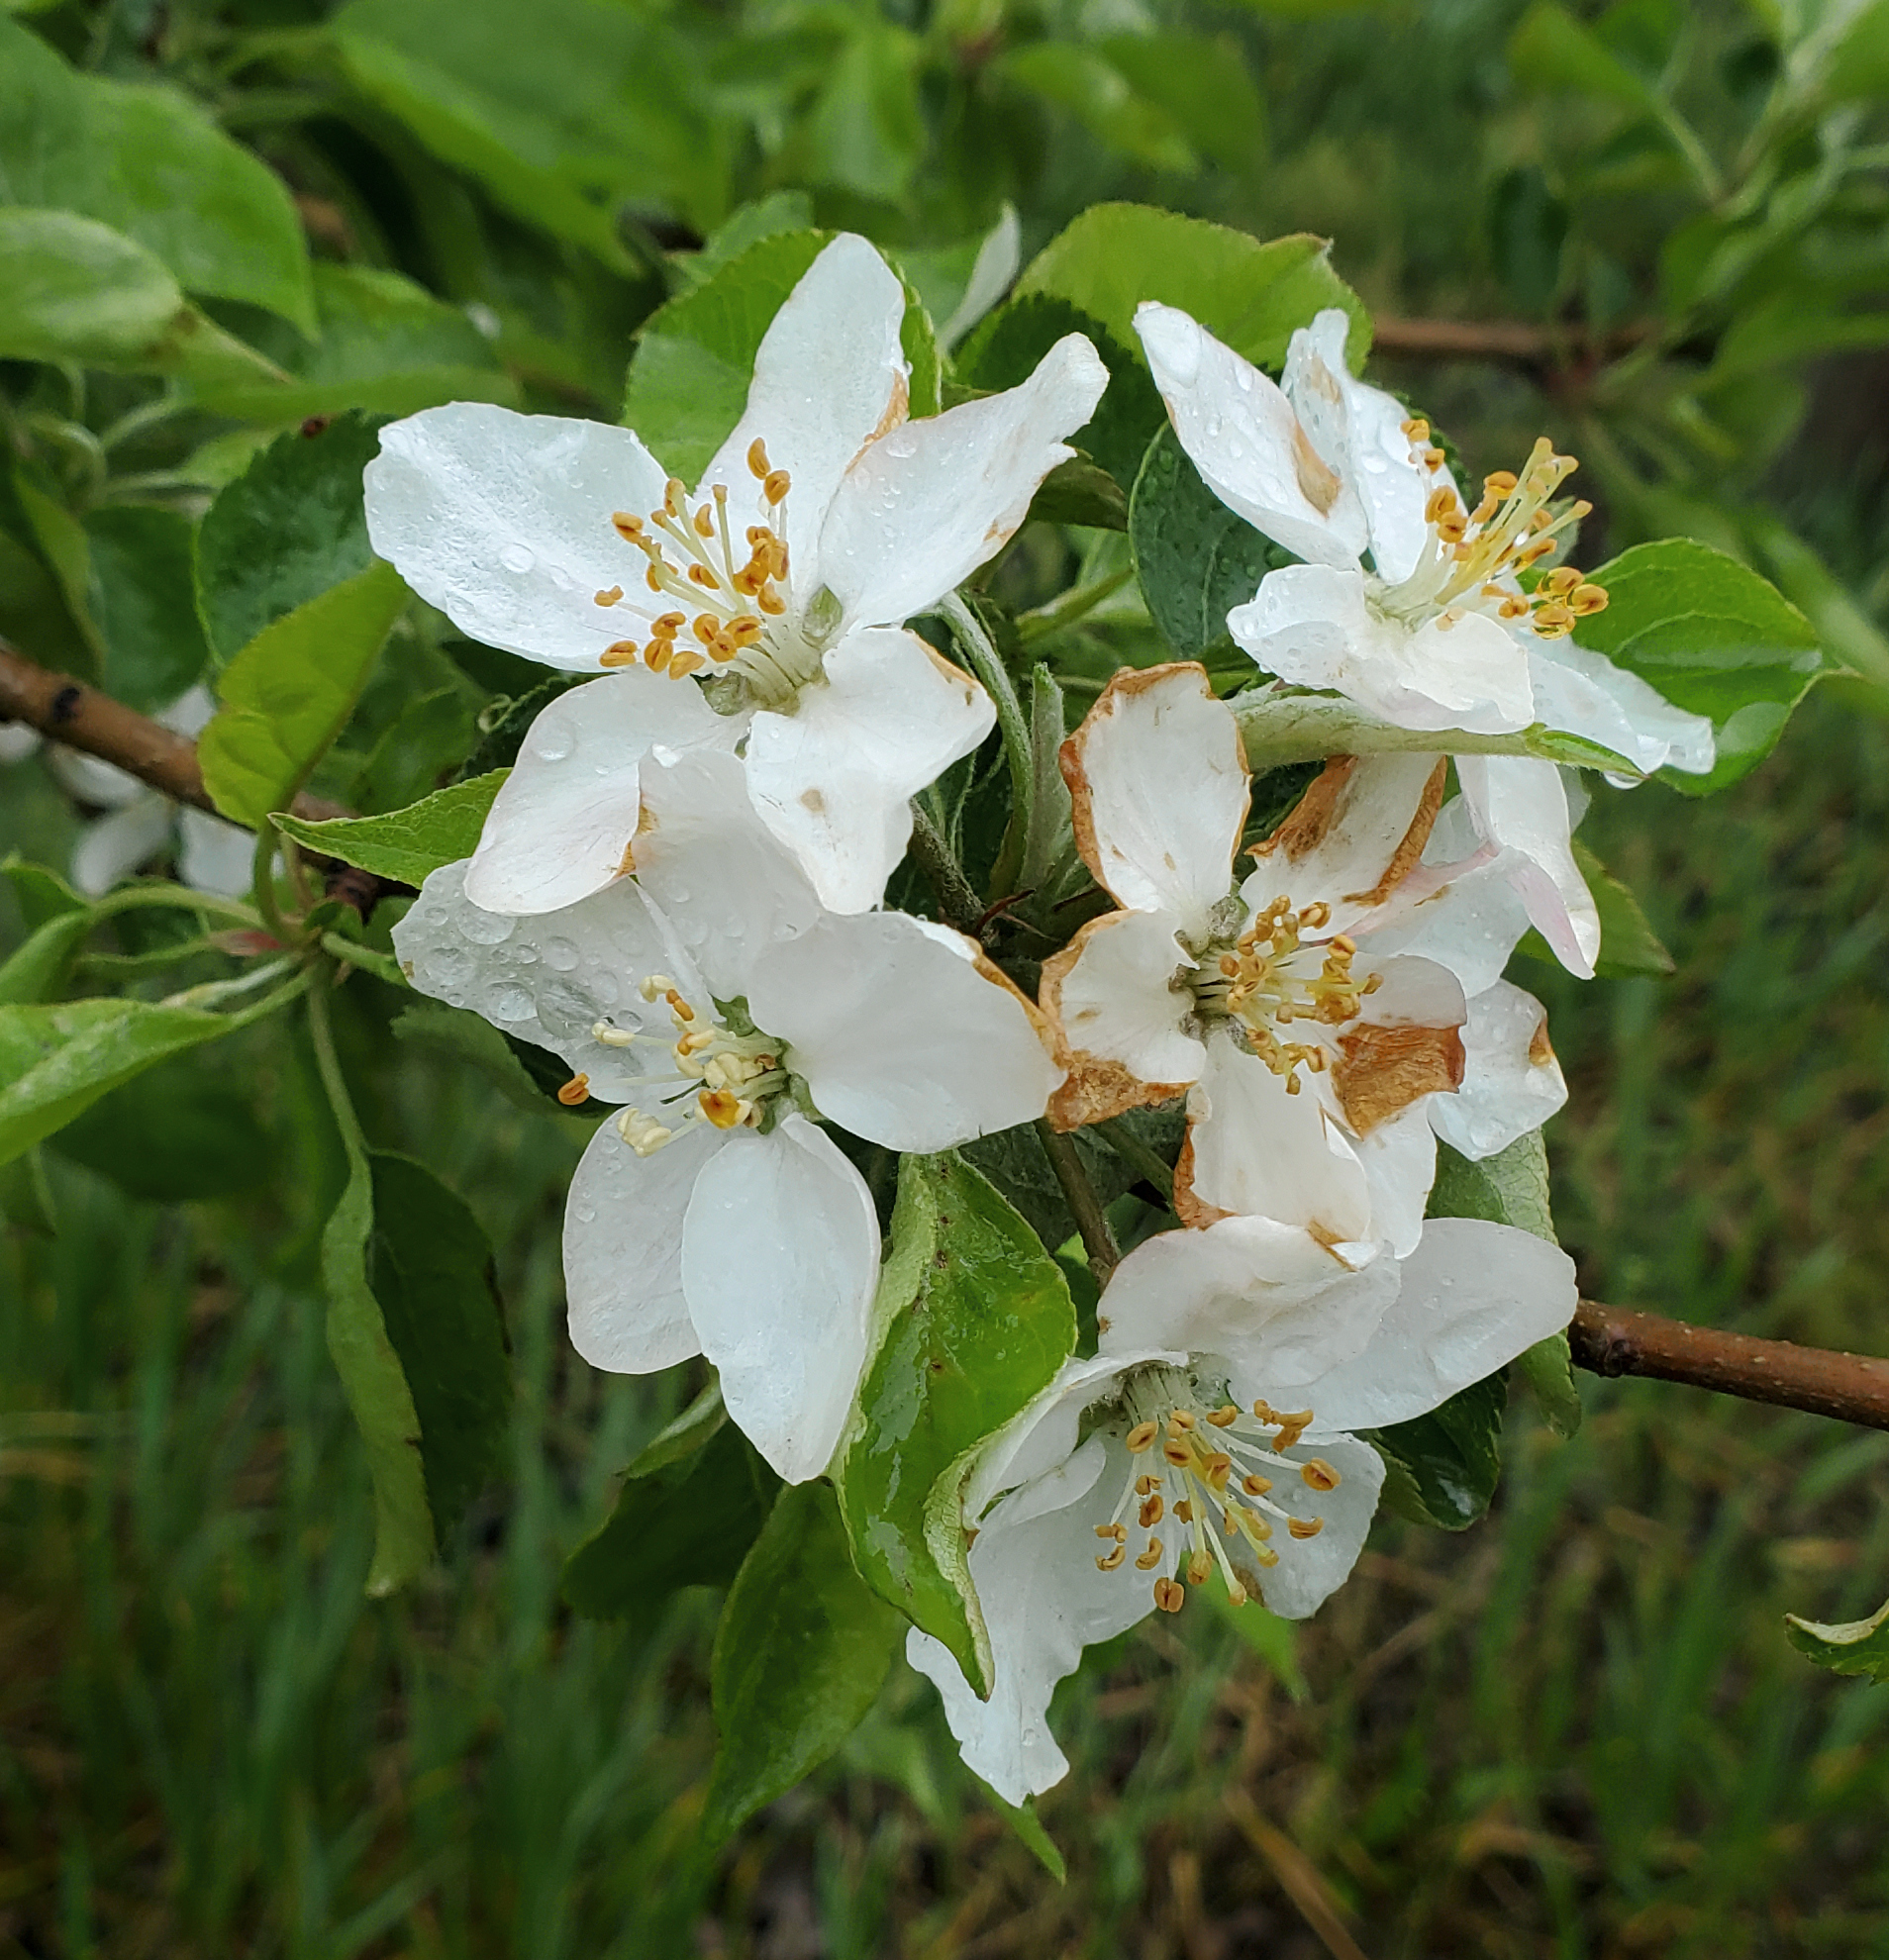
(554, 978)
(623, 1251)
(1466, 917)
(89, 780)
(833, 780)
(212, 855)
(1511, 1081)
(829, 378)
(900, 1032)
(729, 889)
(1047, 1429)
(1519, 802)
(780, 1255)
(1244, 439)
(1313, 625)
(1113, 1001)
(1261, 1152)
(190, 714)
(1311, 1570)
(503, 522)
(1160, 792)
(565, 817)
(1044, 1601)
(1357, 846)
(934, 500)
(1474, 1295)
(17, 741)
(1267, 1297)
(1585, 694)
(112, 847)
(1365, 444)
(992, 275)
(1399, 1158)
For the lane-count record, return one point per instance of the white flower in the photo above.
(1307, 1058)
(1143, 1465)
(717, 1001)
(774, 591)
(212, 855)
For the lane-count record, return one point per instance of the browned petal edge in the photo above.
(1305, 826)
(1384, 1069)
(1189, 1209)
(1131, 680)
(1317, 479)
(898, 404)
(1409, 854)
(949, 668)
(1541, 1048)
(1094, 1087)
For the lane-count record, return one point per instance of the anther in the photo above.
(1319, 1474)
(757, 461)
(1112, 1560)
(1142, 1438)
(608, 596)
(1179, 1419)
(1305, 1527)
(1169, 1595)
(1256, 1485)
(775, 485)
(619, 653)
(1200, 1568)
(628, 526)
(1151, 1558)
(1117, 1533)
(1152, 1511)
(575, 1091)
(1225, 1417)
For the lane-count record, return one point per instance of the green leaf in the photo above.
(1850, 1646)
(779, 211)
(142, 597)
(1550, 48)
(286, 696)
(1856, 68)
(1443, 1468)
(1713, 637)
(64, 548)
(35, 968)
(466, 1038)
(865, 131)
(1628, 945)
(1023, 1820)
(1103, 99)
(691, 1504)
(180, 1132)
(1016, 1162)
(290, 526)
(1273, 1640)
(74, 290)
(1201, 81)
(1251, 295)
(55, 1061)
(973, 1317)
(406, 845)
(151, 163)
(800, 1654)
(1195, 559)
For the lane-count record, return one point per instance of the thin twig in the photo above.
(1614, 1340)
(1085, 1206)
(1516, 340)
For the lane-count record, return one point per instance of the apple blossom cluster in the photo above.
(680, 890)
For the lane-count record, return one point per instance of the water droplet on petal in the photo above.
(550, 745)
(511, 1003)
(518, 558)
(560, 953)
(487, 928)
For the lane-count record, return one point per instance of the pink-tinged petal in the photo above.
(1313, 625)
(780, 1256)
(623, 1251)
(503, 522)
(1256, 1150)
(564, 821)
(1243, 436)
(835, 779)
(1116, 1018)
(1399, 1159)
(1511, 1082)
(113, 846)
(1521, 804)
(1043, 1600)
(829, 379)
(212, 855)
(728, 888)
(905, 1033)
(1473, 1297)
(934, 500)
(1359, 432)
(1159, 783)
(1311, 1570)
(1585, 694)
(553, 979)
(1273, 1301)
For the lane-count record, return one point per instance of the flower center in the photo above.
(739, 1073)
(732, 617)
(1476, 557)
(1266, 979)
(1202, 1472)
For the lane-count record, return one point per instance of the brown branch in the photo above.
(1515, 341)
(1614, 1340)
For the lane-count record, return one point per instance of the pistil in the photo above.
(738, 1073)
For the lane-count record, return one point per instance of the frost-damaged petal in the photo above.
(1313, 625)
(1044, 1601)
(1117, 1019)
(562, 823)
(1474, 1295)
(729, 888)
(623, 1251)
(1406, 1042)
(1585, 694)
(1267, 1298)
(1511, 1082)
(114, 846)
(780, 1255)
(212, 855)
(833, 780)
(1244, 439)
(1311, 1570)
(930, 503)
(1158, 778)
(1359, 432)
(552, 979)
(829, 377)
(1356, 834)
(904, 1033)
(1522, 804)
(503, 522)
(1251, 1148)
